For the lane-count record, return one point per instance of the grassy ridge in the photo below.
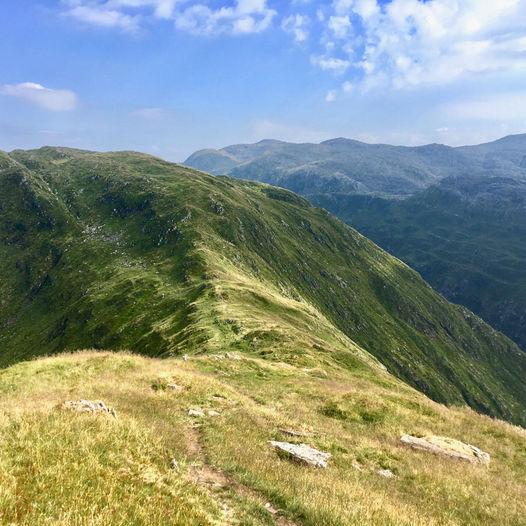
(64, 468)
(124, 250)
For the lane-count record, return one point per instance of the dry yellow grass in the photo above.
(62, 467)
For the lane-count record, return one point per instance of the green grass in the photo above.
(62, 467)
(126, 251)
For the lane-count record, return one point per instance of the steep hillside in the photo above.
(62, 467)
(126, 251)
(466, 236)
(338, 165)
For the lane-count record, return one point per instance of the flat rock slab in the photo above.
(92, 406)
(302, 453)
(448, 447)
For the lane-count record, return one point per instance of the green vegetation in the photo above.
(466, 236)
(62, 467)
(126, 251)
(462, 229)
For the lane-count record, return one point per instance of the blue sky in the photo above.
(169, 77)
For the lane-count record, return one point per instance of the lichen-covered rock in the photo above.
(303, 453)
(448, 447)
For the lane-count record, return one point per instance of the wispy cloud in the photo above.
(104, 17)
(51, 99)
(297, 25)
(202, 18)
(413, 43)
(336, 65)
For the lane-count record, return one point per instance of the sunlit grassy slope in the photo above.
(62, 467)
(126, 251)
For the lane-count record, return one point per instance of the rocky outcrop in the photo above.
(302, 453)
(448, 447)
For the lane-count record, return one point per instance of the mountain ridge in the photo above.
(124, 250)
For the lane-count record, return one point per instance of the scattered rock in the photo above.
(213, 413)
(303, 453)
(271, 508)
(356, 466)
(219, 398)
(185, 357)
(93, 406)
(193, 412)
(449, 447)
(387, 473)
(173, 386)
(174, 465)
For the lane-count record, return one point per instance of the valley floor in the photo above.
(60, 466)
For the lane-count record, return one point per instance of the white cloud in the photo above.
(246, 16)
(411, 42)
(296, 25)
(340, 26)
(336, 65)
(207, 17)
(51, 99)
(101, 15)
(331, 96)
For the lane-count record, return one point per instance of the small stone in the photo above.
(356, 466)
(303, 453)
(387, 473)
(174, 465)
(193, 412)
(213, 413)
(173, 386)
(185, 357)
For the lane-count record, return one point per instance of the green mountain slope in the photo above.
(466, 236)
(124, 250)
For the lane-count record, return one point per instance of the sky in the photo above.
(169, 77)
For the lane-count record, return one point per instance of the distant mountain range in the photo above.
(457, 215)
(126, 251)
(353, 167)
